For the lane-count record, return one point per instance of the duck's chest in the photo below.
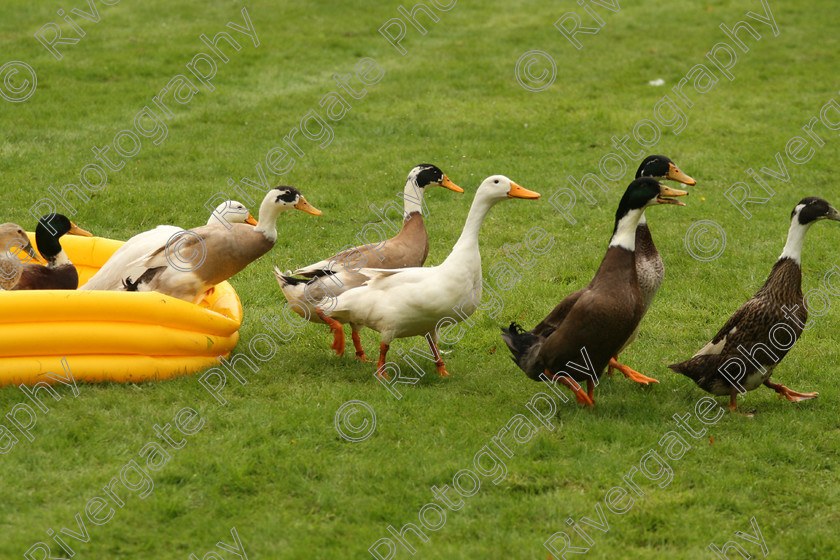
(650, 271)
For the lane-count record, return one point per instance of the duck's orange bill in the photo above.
(445, 182)
(250, 220)
(306, 207)
(675, 174)
(518, 192)
(665, 192)
(76, 230)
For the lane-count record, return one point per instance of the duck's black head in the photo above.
(661, 167)
(426, 174)
(645, 192)
(50, 228)
(812, 208)
(640, 194)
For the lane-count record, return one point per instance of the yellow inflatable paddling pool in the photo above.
(111, 336)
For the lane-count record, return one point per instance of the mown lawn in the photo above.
(270, 462)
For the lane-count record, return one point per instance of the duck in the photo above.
(755, 327)
(649, 266)
(14, 243)
(195, 260)
(409, 248)
(590, 325)
(111, 275)
(59, 273)
(412, 301)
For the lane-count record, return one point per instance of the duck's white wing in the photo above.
(114, 271)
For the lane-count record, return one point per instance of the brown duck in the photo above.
(577, 339)
(59, 273)
(649, 266)
(745, 352)
(198, 259)
(15, 250)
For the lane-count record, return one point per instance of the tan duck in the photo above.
(59, 273)
(578, 338)
(765, 327)
(198, 259)
(406, 302)
(15, 250)
(649, 266)
(112, 274)
(339, 273)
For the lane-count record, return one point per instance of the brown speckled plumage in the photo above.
(744, 353)
(780, 295)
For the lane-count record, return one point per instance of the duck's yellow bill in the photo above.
(665, 192)
(518, 192)
(675, 174)
(445, 182)
(76, 230)
(306, 207)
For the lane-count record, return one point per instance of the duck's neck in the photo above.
(412, 196)
(468, 242)
(267, 222)
(58, 260)
(795, 239)
(50, 247)
(624, 234)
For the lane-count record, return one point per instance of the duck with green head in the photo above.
(576, 341)
(59, 273)
(649, 266)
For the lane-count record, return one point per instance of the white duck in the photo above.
(112, 273)
(339, 273)
(196, 260)
(407, 302)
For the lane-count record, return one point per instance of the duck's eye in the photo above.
(496, 181)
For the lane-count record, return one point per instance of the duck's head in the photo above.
(640, 194)
(811, 209)
(806, 213)
(661, 168)
(277, 200)
(428, 175)
(231, 211)
(14, 242)
(499, 187)
(50, 228)
(645, 192)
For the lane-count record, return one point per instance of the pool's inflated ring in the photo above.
(111, 336)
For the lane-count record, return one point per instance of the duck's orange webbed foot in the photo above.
(582, 397)
(790, 394)
(630, 373)
(439, 365)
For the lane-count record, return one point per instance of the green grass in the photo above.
(270, 462)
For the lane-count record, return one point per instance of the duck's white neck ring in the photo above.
(795, 240)
(625, 231)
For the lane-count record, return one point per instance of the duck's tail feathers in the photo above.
(524, 346)
(699, 368)
(286, 279)
(146, 278)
